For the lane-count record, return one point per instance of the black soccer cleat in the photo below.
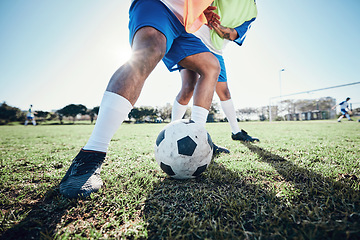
(217, 150)
(243, 136)
(83, 176)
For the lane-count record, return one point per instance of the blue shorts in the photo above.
(179, 43)
(343, 111)
(222, 75)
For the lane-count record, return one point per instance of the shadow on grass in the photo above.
(42, 216)
(326, 207)
(223, 204)
(219, 204)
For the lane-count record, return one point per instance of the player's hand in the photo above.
(211, 17)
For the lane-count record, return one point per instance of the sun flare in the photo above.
(124, 55)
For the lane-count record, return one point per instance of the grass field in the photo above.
(302, 181)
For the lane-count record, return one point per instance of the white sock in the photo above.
(114, 109)
(178, 111)
(340, 117)
(229, 110)
(199, 115)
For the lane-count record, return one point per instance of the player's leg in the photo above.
(125, 86)
(189, 52)
(227, 105)
(347, 115)
(122, 92)
(343, 114)
(207, 66)
(222, 90)
(188, 82)
(148, 46)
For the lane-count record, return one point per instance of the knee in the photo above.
(211, 68)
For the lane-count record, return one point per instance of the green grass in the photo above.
(302, 181)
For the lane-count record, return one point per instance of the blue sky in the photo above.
(53, 53)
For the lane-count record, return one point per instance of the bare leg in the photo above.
(207, 66)
(188, 81)
(149, 46)
(222, 91)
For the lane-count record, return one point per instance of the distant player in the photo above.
(344, 108)
(30, 117)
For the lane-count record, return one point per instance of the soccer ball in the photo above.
(183, 149)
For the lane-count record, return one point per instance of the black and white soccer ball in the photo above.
(183, 149)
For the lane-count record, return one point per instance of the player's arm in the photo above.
(335, 106)
(225, 32)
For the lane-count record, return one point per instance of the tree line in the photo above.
(14, 114)
(73, 111)
(160, 114)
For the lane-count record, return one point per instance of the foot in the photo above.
(243, 136)
(339, 120)
(83, 176)
(217, 150)
(351, 119)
